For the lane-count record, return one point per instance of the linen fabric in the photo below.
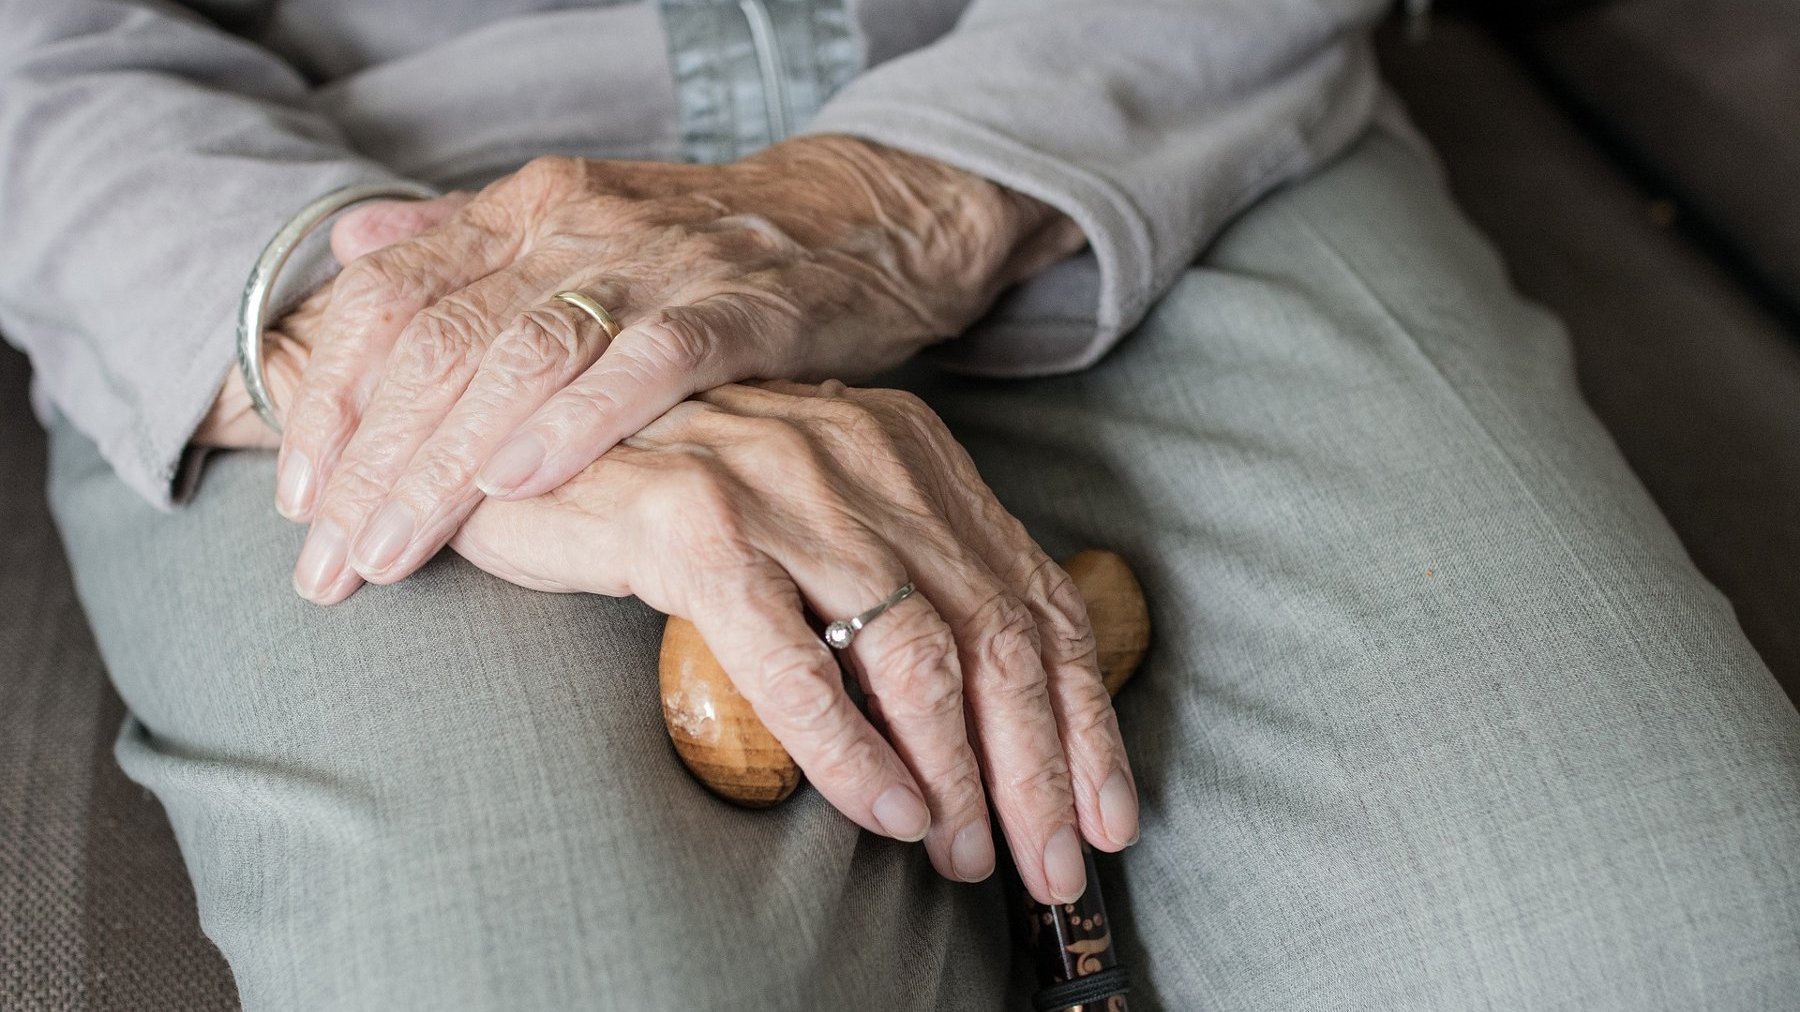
(1438, 713)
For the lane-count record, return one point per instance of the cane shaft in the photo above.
(1077, 968)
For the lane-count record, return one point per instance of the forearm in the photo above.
(1150, 124)
(950, 231)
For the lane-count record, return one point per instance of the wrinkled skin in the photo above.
(743, 507)
(448, 371)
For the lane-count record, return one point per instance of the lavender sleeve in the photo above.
(145, 157)
(1149, 122)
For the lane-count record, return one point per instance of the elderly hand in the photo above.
(448, 369)
(287, 346)
(748, 506)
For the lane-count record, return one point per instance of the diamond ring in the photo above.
(839, 634)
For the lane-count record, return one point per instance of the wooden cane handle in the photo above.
(726, 747)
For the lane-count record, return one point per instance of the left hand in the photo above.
(449, 371)
(748, 506)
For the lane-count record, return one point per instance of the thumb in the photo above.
(368, 227)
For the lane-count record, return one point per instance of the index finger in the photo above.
(649, 368)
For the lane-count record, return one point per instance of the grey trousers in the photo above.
(1439, 714)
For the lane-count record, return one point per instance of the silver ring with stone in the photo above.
(839, 634)
(253, 305)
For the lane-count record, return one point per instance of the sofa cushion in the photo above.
(1698, 382)
(95, 909)
(1705, 96)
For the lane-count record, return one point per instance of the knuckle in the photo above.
(766, 315)
(552, 174)
(440, 345)
(919, 676)
(440, 473)
(743, 237)
(1007, 638)
(846, 754)
(540, 342)
(900, 403)
(762, 445)
(910, 420)
(744, 229)
(764, 233)
(322, 410)
(623, 212)
(1090, 715)
(376, 288)
(354, 485)
(364, 281)
(677, 341)
(701, 507)
(852, 423)
(962, 788)
(801, 684)
(579, 407)
(1044, 785)
(774, 443)
(1067, 634)
(708, 245)
(681, 478)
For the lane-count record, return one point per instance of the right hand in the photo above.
(749, 506)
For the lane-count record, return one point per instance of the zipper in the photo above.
(771, 65)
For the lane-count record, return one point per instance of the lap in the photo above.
(454, 793)
(1439, 714)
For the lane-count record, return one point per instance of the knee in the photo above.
(1545, 850)
(479, 808)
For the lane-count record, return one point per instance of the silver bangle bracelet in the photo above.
(253, 307)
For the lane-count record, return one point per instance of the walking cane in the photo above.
(726, 747)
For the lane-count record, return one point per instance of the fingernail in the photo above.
(902, 814)
(294, 486)
(972, 852)
(1119, 809)
(1064, 867)
(384, 539)
(321, 560)
(510, 465)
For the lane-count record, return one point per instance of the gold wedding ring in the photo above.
(586, 303)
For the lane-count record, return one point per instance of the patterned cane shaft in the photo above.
(1077, 969)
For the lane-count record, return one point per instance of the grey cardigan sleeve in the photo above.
(1149, 122)
(145, 157)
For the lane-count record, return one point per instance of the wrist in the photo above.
(1042, 236)
(958, 237)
